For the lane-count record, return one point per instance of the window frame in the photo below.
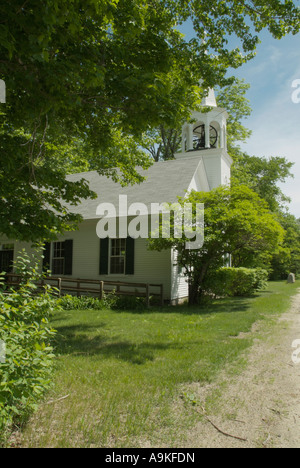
(53, 257)
(111, 256)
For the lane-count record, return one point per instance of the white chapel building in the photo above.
(202, 165)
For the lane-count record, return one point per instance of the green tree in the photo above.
(263, 175)
(233, 99)
(287, 259)
(237, 223)
(98, 74)
(163, 142)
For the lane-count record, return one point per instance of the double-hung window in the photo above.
(117, 256)
(58, 258)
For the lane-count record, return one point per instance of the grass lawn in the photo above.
(124, 373)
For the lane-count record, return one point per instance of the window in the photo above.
(6, 258)
(59, 255)
(117, 256)
(58, 259)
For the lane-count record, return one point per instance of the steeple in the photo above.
(207, 129)
(205, 138)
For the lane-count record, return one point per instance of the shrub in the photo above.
(128, 303)
(25, 373)
(236, 281)
(109, 301)
(81, 303)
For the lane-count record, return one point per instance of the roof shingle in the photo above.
(164, 182)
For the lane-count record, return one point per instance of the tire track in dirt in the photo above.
(262, 403)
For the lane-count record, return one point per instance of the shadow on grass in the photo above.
(228, 305)
(78, 340)
(90, 339)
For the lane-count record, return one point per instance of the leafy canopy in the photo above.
(237, 222)
(85, 79)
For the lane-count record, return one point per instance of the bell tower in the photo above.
(205, 138)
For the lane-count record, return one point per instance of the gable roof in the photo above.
(164, 182)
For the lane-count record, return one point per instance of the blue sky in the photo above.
(275, 120)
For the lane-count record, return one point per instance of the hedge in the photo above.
(236, 281)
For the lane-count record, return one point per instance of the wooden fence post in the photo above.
(101, 289)
(147, 296)
(162, 295)
(59, 286)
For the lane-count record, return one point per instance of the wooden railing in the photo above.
(95, 287)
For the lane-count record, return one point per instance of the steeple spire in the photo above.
(210, 99)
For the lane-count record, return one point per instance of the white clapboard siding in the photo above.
(150, 267)
(179, 288)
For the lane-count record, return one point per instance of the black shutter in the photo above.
(46, 255)
(68, 257)
(104, 247)
(130, 244)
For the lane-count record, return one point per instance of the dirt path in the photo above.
(262, 404)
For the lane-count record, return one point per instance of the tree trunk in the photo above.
(193, 294)
(195, 286)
